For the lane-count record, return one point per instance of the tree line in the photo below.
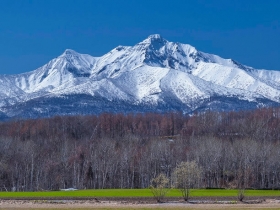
(232, 149)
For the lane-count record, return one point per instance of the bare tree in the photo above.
(185, 177)
(159, 187)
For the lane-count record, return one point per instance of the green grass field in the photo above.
(111, 193)
(135, 193)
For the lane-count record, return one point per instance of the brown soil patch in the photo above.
(97, 204)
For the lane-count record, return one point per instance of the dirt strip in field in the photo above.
(96, 204)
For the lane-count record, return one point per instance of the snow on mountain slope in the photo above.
(69, 69)
(141, 82)
(154, 72)
(236, 79)
(269, 77)
(189, 88)
(104, 88)
(8, 89)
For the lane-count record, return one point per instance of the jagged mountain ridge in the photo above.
(154, 75)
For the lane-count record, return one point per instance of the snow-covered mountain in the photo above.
(155, 75)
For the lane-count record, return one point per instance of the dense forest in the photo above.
(128, 150)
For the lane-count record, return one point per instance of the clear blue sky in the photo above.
(34, 32)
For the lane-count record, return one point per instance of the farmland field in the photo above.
(136, 193)
(118, 199)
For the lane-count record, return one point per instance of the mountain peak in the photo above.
(69, 52)
(155, 38)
